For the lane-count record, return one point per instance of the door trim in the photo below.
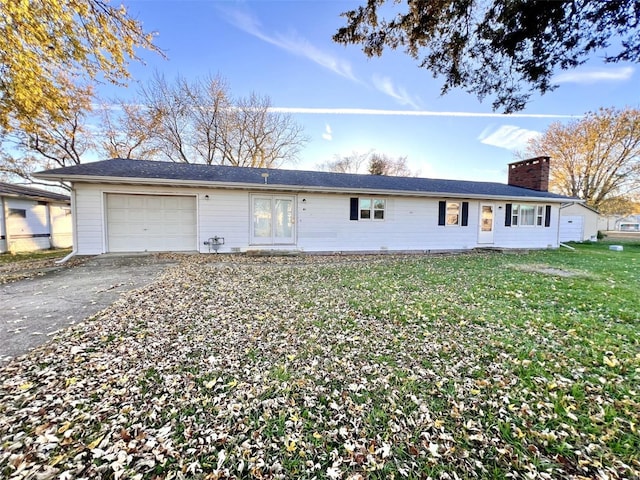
(486, 237)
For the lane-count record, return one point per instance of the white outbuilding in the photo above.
(578, 223)
(33, 219)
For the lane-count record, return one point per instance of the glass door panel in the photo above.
(283, 210)
(485, 235)
(262, 218)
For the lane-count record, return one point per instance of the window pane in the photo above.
(453, 213)
(262, 217)
(365, 208)
(487, 218)
(527, 215)
(378, 209)
(17, 212)
(540, 215)
(283, 218)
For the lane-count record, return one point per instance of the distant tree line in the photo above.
(370, 162)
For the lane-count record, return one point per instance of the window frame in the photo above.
(538, 215)
(373, 209)
(463, 213)
(273, 238)
(458, 214)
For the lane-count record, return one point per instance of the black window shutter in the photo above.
(465, 214)
(507, 215)
(442, 212)
(547, 216)
(354, 208)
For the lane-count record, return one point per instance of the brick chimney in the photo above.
(532, 173)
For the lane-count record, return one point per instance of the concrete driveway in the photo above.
(34, 309)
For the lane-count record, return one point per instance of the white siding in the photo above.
(30, 232)
(225, 213)
(525, 236)
(89, 220)
(409, 224)
(61, 225)
(322, 222)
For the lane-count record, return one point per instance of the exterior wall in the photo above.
(590, 220)
(28, 233)
(526, 236)
(322, 222)
(61, 225)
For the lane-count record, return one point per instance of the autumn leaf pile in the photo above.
(342, 368)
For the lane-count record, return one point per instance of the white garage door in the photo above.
(153, 223)
(571, 228)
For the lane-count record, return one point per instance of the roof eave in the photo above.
(36, 198)
(280, 187)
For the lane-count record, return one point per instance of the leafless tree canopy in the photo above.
(352, 163)
(376, 164)
(385, 165)
(198, 122)
(125, 131)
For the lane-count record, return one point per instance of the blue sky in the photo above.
(347, 102)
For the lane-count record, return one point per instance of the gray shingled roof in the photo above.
(309, 180)
(11, 190)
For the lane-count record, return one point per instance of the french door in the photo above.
(273, 220)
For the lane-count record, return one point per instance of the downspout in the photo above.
(558, 226)
(74, 229)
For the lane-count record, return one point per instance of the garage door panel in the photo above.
(571, 229)
(151, 223)
(117, 201)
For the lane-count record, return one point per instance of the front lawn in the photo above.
(468, 366)
(17, 266)
(54, 254)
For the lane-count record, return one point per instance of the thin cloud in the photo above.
(507, 136)
(327, 134)
(291, 43)
(620, 74)
(386, 86)
(412, 113)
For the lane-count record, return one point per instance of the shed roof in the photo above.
(11, 190)
(144, 171)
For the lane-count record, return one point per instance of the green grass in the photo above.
(483, 365)
(6, 258)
